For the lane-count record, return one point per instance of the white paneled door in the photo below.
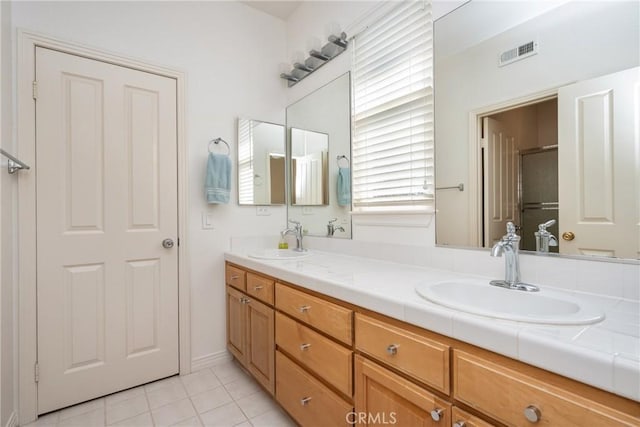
(598, 150)
(106, 200)
(501, 178)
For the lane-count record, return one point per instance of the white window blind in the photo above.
(393, 110)
(245, 161)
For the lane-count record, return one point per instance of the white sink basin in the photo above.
(477, 297)
(279, 254)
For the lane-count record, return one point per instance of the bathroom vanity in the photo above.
(338, 339)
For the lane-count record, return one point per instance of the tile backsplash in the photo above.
(615, 279)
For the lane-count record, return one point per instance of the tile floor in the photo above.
(223, 395)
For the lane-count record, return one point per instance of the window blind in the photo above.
(245, 162)
(393, 110)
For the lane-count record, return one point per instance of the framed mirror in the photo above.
(309, 168)
(534, 122)
(319, 131)
(261, 163)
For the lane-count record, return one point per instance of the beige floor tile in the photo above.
(211, 399)
(256, 404)
(242, 387)
(123, 395)
(200, 381)
(191, 422)
(127, 409)
(226, 415)
(93, 418)
(173, 413)
(161, 383)
(142, 420)
(275, 418)
(82, 408)
(170, 392)
(228, 372)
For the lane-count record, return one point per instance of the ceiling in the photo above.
(279, 9)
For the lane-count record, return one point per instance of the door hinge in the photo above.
(34, 91)
(36, 372)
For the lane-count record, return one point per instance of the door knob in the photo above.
(167, 243)
(568, 236)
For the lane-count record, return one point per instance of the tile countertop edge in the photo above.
(503, 337)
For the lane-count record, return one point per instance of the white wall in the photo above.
(7, 227)
(231, 55)
(571, 49)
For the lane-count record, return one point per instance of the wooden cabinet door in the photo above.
(460, 418)
(237, 324)
(384, 398)
(261, 346)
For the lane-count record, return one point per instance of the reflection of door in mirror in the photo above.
(261, 163)
(600, 176)
(520, 175)
(309, 167)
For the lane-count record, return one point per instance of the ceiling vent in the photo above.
(517, 53)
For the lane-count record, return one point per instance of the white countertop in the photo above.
(605, 355)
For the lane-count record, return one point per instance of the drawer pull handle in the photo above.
(460, 424)
(304, 308)
(304, 401)
(257, 288)
(305, 346)
(245, 300)
(436, 414)
(234, 277)
(532, 414)
(392, 349)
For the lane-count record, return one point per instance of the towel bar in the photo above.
(460, 187)
(14, 165)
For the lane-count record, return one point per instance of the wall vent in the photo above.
(517, 53)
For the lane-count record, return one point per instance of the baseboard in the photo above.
(12, 421)
(209, 360)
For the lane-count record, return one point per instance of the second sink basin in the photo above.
(279, 254)
(480, 298)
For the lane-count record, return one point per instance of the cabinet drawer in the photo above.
(329, 360)
(507, 395)
(382, 395)
(260, 287)
(235, 277)
(308, 401)
(425, 359)
(460, 418)
(323, 315)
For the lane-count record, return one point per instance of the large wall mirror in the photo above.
(536, 112)
(261, 163)
(319, 131)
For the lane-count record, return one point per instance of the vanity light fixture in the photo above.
(316, 59)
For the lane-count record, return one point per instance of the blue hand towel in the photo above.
(344, 187)
(218, 183)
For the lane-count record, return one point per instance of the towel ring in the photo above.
(341, 157)
(217, 141)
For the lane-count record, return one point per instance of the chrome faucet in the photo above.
(296, 230)
(331, 228)
(544, 239)
(509, 245)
